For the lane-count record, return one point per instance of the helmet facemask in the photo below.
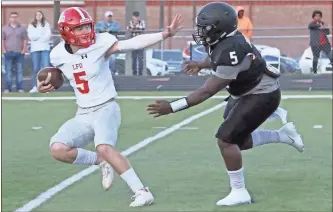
(76, 40)
(207, 35)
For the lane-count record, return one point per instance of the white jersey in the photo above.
(87, 70)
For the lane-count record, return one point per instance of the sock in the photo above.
(236, 179)
(85, 157)
(261, 137)
(132, 180)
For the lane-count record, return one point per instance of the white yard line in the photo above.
(183, 128)
(43, 197)
(154, 97)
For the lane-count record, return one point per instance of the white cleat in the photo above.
(236, 197)
(107, 175)
(33, 90)
(141, 198)
(295, 139)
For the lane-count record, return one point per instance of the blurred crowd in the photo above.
(35, 39)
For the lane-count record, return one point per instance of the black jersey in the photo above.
(231, 51)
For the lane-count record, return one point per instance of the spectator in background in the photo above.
(14, 45)
(107, 25)
(112, 27)
(318, 39)
(136, 27)
(245, 25)
(39, 33)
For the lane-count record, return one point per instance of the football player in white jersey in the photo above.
(83, 59)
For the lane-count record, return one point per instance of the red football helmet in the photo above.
(74, 17)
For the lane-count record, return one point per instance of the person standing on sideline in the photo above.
(318, 39)
(14, 45)
(136, 27)
(245, 25)
(112, 27)
(39, 33)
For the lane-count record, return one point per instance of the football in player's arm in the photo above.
(82, 57)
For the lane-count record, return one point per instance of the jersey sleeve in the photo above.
(231, 71)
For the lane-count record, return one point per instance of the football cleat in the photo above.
(107, 175)
(142, 197)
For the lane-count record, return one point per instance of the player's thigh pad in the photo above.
(76, 132)
(247, 115)
(106, 123)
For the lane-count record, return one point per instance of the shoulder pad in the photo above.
(58, 55)
(103, 42)
(105, 39)
(230, 52)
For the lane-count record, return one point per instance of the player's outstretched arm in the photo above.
(213, 85)
(145, 40)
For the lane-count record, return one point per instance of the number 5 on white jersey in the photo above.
(81, 84)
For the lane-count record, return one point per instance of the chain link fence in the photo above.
(287, 49)
(282, 39)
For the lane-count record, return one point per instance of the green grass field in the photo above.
(184, 170)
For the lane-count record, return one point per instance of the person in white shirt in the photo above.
(39, 33)
(83, 58)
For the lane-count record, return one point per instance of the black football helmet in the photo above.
(214, 22)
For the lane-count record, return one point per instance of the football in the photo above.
(55, 74)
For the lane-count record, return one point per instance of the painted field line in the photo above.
(183, 128)
(154, 97)
(43, 197)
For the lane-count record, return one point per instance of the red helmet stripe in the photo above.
(80, 12)
(86, 14)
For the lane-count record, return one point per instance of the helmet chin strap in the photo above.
(217, 40)
(222, 36)
(232, 33)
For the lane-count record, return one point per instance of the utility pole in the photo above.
(56, 14)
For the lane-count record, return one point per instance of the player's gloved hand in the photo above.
(44, 86)
(159, 108)
(175, 26)
(191, 67)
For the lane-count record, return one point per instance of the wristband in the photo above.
(179, 104)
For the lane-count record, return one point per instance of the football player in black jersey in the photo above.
(254, 94)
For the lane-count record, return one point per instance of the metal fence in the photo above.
(168, 56)
(287, 34)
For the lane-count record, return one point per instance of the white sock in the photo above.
(132, 180)
(261, 137)
(85, 157)
(236, 179)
